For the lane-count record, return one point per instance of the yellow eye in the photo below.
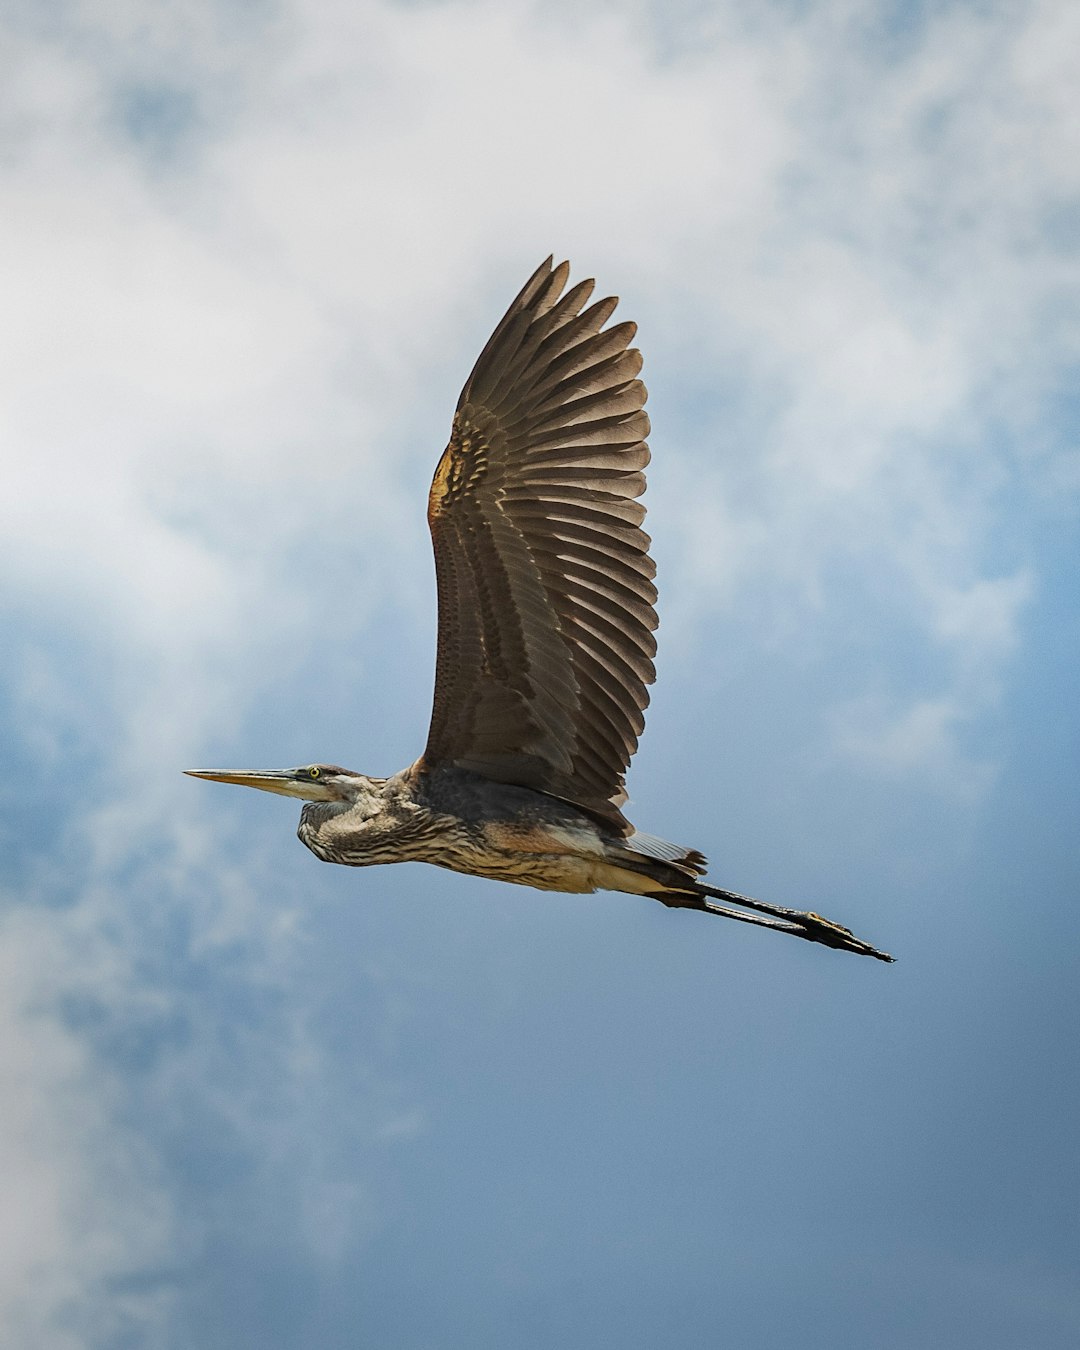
(314, 771)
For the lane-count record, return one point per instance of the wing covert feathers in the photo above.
(546, 597)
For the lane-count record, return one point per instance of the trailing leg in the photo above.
(797, 922)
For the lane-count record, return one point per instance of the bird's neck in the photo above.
(356, 829)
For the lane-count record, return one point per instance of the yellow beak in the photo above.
(286, 782)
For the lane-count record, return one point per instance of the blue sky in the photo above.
(250, 255)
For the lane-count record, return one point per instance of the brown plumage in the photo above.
(545, 644)
(546, 597)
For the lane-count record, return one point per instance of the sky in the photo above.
(250, 252)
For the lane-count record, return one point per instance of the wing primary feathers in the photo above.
(546, 598)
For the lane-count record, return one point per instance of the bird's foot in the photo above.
(819, 929)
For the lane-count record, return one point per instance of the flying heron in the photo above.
(545, 638)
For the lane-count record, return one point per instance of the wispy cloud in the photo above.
(896, 739)
(86, 1207)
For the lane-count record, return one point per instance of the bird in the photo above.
(545, 647)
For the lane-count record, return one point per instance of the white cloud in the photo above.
(982, 619)
(921, 737)
(84, 1209)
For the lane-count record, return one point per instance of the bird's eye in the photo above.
(314, 771)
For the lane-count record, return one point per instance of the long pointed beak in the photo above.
(286, 782)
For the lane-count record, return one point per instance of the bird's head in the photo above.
(312, 783)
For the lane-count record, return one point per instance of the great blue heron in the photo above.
(545, 643)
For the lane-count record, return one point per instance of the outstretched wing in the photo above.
(546, 597)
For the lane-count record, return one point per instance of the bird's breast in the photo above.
(540, 854)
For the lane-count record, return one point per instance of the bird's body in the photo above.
(545, 646)
(458, 819)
